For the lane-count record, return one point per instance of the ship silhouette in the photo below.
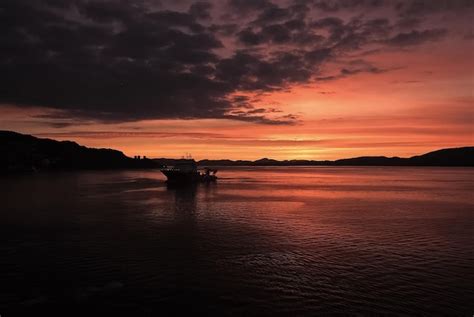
(185, 171)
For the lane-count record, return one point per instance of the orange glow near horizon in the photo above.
(423, 102)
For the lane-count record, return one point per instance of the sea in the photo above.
(261, 241)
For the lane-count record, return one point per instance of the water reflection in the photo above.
(185, 200)
(269, 241)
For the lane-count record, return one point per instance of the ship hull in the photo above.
(181, 177)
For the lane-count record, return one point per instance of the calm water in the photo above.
(262, 241)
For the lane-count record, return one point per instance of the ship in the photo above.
(185, 171)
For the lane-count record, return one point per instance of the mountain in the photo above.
(21, 152)
(463, 156)
(447, 157)
(372, 160)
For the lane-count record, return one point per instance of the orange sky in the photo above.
(422, 101)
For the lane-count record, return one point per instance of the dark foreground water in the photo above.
(262, 241)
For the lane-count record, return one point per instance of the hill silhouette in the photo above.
(20, 152)
(463, 156)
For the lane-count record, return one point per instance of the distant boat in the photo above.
(186, 171)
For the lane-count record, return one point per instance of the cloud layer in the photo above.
(120, 61)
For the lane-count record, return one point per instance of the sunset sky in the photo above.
(240, 79)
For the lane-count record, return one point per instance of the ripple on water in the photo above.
(262, 241)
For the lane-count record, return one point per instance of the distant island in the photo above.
(23, 153)
(463, 156)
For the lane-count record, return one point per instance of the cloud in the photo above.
(469, 35)
(416, 37)
(272, 14)
(200, 10)
(119, 61)
(354, 67)
(403, 8)
(227, 29)
(337, 5)
(423, 7)
(142, 69)
(244, 6)
(262, 119)
(132, 134)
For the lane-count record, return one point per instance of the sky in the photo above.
(240, 79)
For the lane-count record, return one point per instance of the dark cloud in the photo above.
(295, 24)
(244, 6)
(408, 22)
(337, 5)
(403, 8)
(250, 72)
(249, 37)
(200, 10)
(422, 7)
(259, 115)
(416, 37)
(139, 70)
(318, 56)
(117, 60)
(469, 35)
(284, 120)
(59, 125)
(292, 31)
(360, 67)
(166, 19)
(122, 134)
(227, 29)
(354, 67)
(273, 13)
(104, 11)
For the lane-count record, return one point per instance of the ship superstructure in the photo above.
(186, 171)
